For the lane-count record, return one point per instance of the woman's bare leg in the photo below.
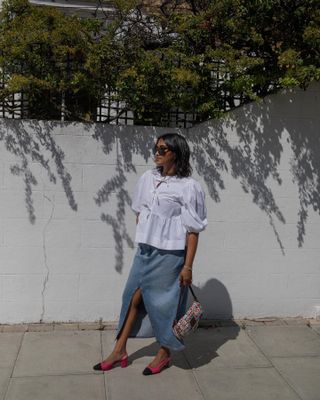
(121, 344)
(163, 353)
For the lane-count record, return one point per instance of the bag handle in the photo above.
(181, 292)
(192, 292)
(180, 299)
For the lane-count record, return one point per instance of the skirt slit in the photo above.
(156, 273)
(127, 313)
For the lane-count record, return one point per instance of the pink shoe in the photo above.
(105, 366)
(156, 370)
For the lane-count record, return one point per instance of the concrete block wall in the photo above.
(260, 166)
(66, 228)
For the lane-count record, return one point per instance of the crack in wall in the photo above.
(46, 279)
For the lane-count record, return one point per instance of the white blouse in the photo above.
(168, 208)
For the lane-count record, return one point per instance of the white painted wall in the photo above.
(66, 228)
(261, 167)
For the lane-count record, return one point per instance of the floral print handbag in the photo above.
(190, 321)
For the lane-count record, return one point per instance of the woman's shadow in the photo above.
(202, 346)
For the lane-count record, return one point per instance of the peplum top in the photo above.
(168, 208)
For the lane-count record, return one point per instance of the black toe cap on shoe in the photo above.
(97, 367)
(147, 371)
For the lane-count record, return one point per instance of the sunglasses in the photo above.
(161, 150)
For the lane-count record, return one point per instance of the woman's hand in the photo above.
(185, 276)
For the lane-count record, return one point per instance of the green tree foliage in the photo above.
(43, 54)
(197, 58)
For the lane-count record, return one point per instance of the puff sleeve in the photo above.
(193, 212)
(138, 194)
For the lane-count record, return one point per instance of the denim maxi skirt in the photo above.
(156, 273)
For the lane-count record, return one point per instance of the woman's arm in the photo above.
(186, 272)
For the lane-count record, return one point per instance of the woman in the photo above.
(170, 210)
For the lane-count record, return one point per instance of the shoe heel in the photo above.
(124, 363)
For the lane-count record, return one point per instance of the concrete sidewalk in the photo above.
(255, 362)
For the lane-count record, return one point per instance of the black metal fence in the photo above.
(111, 111)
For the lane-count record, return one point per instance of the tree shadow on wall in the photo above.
(238, 144)
(124, 143)
(32, 142)
(248, 144)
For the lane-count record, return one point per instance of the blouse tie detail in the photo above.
(155, 191)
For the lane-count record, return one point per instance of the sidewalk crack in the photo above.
(13, 367)
(194, 376)
(105, 384)
(274, 366)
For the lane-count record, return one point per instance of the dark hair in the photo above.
(179, 146)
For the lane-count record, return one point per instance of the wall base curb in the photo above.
(112, 325)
